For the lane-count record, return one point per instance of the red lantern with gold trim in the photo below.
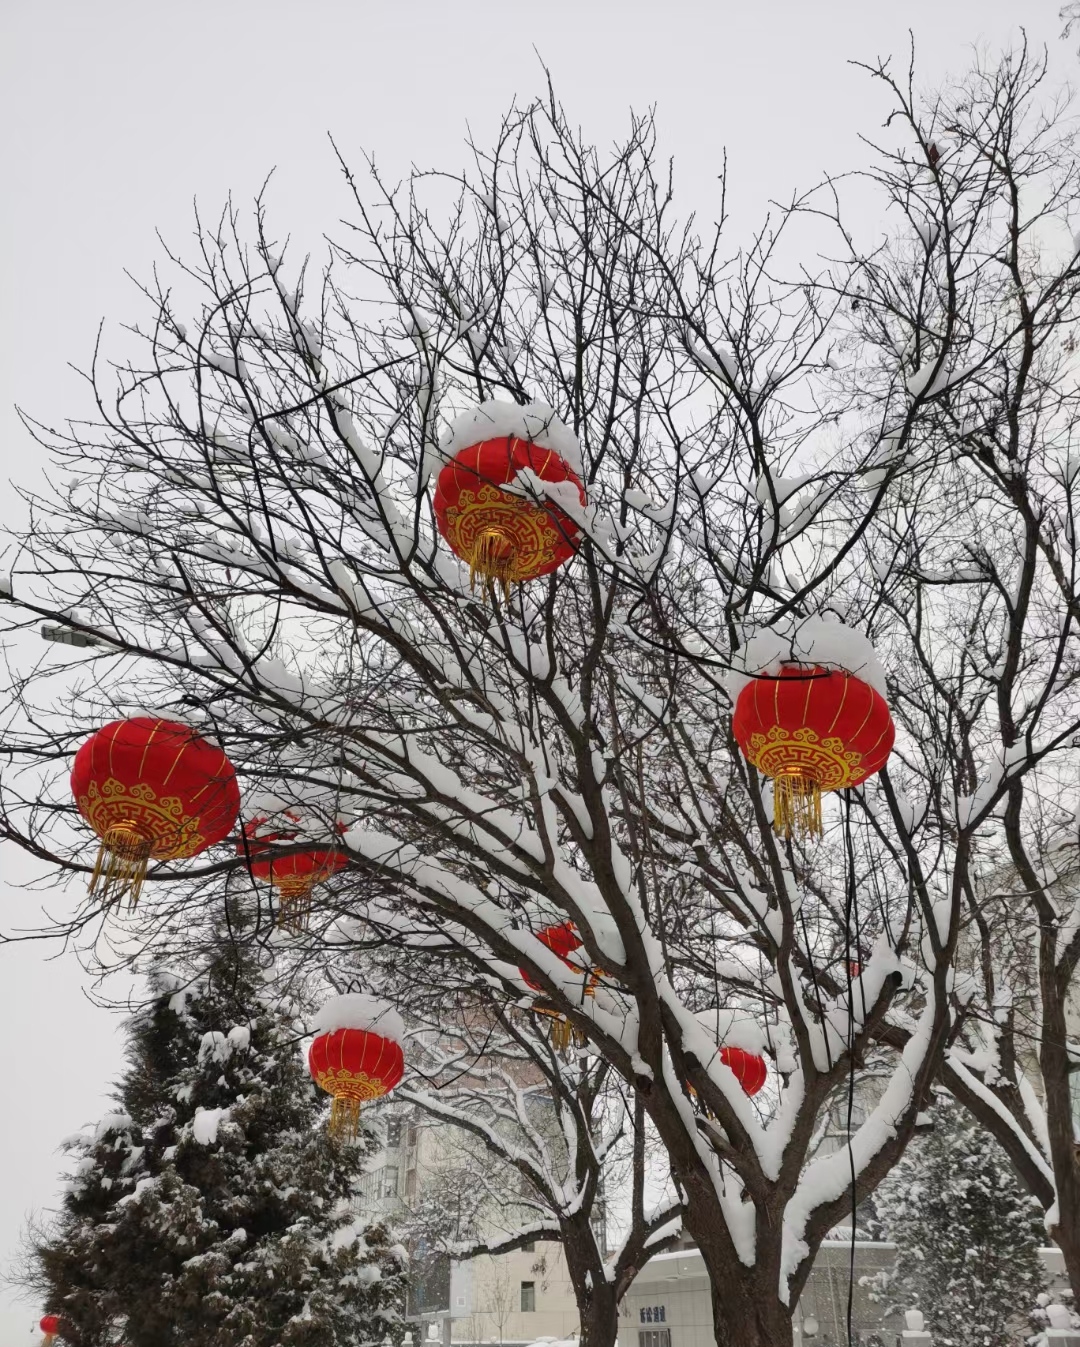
(294, 874)
(50, 1328)
(151, 790)
(749, 1068)
(811, 729)
(505, 538)
(357, 1056)
(562, 940)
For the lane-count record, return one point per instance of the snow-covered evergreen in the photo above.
(209, 1208)
(967, 1235)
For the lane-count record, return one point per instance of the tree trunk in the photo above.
(598, 1307)
(746, 1306)
(746, 1313)
(600, 1318)
(1054, 1061)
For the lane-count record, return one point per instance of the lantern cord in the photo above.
(344, 1118)
(492, 561)
(796, 804)
(121, 864)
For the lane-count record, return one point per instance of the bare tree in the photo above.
(553, 1133)
(988, 590)
(246, 527)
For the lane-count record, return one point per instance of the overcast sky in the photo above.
(116, 116)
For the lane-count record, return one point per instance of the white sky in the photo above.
(116, 115)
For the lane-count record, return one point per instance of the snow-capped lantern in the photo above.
(356, 1056)
(742, 1041)
(293, 874)
(810, 714)
(750, 1070)
(50, 1328)
(494, 503)
(562, 940)
(151, 790)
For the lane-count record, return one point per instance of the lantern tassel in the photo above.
(492, 562)
(796, 805)
(121, 864)
(294, 907)
(344, 1118)
(561, 1034)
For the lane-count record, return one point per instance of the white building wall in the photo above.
(487, 1297)
(669, 1305)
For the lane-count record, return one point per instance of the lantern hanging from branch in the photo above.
(294, 874)
(50, 1327)
(356, 1056)
(750, 1070)
(498, 499)
(743, 1043)
(151, 790)
(562, 940)
(811, 729)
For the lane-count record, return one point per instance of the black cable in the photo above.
(850, 907)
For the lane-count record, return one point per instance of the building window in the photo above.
(393, 1132)
(528, 1297)
(390, 1181)
(654, 1337)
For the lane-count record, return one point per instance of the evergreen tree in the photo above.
(967, 1235)
(208, 1210)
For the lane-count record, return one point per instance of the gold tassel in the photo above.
(796, 805)
(294, 906)
(121, 864)
(561, 1034)
(492, 561)
(344, 1118)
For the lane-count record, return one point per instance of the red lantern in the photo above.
(562, 940)
(295, 875)
(352, 1060)
(504, 538)
(151, 789)
(749, 1068)
(50, 1327)
(811, 729)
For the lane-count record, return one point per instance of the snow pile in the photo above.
(205, 1124)
(782, 488)
(819, 641)
(240, 1037)
(733, 1029)
(492, 420)
(356, 1011)
(112, 1122)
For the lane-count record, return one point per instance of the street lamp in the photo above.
(69, 636)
